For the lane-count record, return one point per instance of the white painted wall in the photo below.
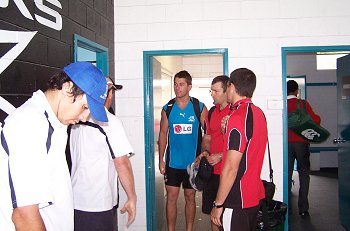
(253, 32)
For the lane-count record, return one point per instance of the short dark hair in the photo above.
(57, 80)
(223, 79)
(184, 74)
(292, 86)
(244, 81)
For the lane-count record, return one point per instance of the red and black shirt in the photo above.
(246, 133)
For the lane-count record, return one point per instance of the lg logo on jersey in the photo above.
(182, 128)
(55, 24)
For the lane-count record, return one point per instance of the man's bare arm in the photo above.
(27, 218)
(162, 140)
(126, 177)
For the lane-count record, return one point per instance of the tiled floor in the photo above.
(323, 199)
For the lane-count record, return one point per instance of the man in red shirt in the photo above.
(213, 141)
(241, 189)
(298, 149)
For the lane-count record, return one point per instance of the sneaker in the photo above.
(192, 172)
(304, 214)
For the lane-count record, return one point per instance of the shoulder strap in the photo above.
(169, 107)
(301, 104)
(211, 112)
(268, 151)
(195, 103)
(196, 108)
(304, 104)
(87, 123)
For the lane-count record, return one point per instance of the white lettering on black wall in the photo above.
(56, 24)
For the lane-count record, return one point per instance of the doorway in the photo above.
(87, 50)
(321, 91)
(159, 69)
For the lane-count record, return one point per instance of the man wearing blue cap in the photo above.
(35, 190)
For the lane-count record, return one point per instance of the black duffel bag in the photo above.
(276, 214)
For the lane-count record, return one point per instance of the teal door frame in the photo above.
(149, 118)
(285, 52)
(101, 52)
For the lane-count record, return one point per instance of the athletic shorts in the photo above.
(209, 193)
(176, 177)
(240, 219)
(92, 221)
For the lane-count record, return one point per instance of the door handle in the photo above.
(338, 140)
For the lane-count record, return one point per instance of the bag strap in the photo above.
(270, 165)
(263, 203)
(87, 123)
(210, 112)
(196, 108)
(169, 107)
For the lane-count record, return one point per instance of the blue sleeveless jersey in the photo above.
(183, 135)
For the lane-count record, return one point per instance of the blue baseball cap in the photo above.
(93, 83)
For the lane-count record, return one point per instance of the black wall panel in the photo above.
(50, 49)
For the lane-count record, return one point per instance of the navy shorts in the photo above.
(209, 193)
(92, 221)
(176, 177)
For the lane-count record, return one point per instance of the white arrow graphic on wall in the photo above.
(22, 39)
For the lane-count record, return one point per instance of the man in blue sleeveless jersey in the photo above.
(180, 128)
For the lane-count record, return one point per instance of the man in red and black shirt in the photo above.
(241, 188)
(298, 149)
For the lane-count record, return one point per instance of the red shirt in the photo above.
(216, 137)
(247, 120)
(292, 105)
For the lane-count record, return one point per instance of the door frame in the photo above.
(149, 119)
(101, 52)
(285, 52)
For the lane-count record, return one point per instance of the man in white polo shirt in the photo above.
(35, 190)
(99, 154)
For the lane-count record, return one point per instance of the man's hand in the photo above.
(130, 207)
(215, 216)
(223, 124)
(213, 159)
(199, 157)
(162, 167)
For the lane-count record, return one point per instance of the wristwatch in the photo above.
(215, 205)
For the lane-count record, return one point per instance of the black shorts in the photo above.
(240, 219)
(209, 193)
(92, 221)
(174, 177)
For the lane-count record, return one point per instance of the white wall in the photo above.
(253, 32)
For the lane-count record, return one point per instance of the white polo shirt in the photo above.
(39, 176)
(93, 174)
